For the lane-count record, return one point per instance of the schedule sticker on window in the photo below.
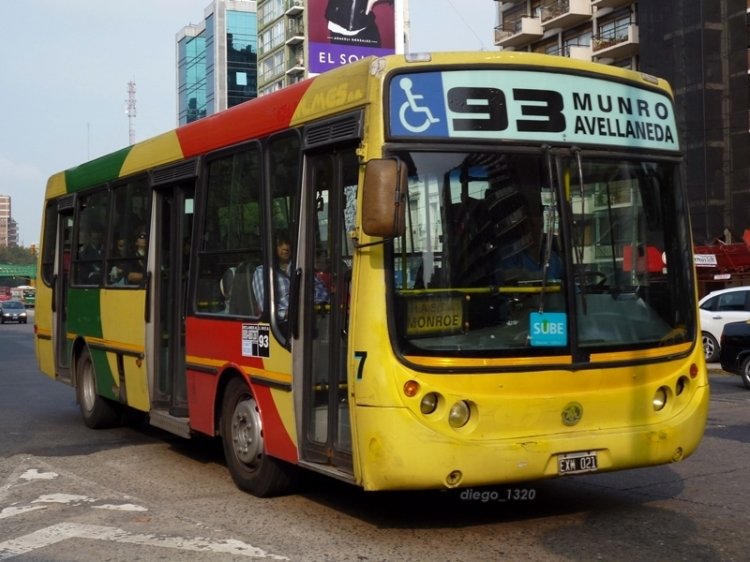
(256, 340)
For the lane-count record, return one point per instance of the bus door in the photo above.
(172, 238)
(325, 262)
(61, 282)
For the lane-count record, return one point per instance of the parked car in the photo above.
(12, 311)
(735, 350)
(717, 309)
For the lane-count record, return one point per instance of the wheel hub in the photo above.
(246, 432)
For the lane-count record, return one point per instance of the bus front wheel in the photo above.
(97, 412)
(242, 436)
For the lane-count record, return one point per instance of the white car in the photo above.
(719, 308)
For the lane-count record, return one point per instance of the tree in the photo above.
(17, 255)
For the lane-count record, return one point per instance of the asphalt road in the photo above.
(135, 493)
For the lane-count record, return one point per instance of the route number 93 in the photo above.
(540, 111)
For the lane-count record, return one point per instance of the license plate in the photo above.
(575, 463)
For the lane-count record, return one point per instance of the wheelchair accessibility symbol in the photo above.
(414, 117)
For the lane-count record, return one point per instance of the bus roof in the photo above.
(335, 91)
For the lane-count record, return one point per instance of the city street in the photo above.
(134, 493)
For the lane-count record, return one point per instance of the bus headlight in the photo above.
(429, 403)
(682, 384)
(660, 398)
(459, 414)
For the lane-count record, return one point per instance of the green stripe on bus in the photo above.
(84, 312)
(97, 171)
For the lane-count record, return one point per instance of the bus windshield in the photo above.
(550, 252)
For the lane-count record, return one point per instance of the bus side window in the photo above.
(230, 241)
(241, 297)
(92, 226)
(284, 157)
(126, 251)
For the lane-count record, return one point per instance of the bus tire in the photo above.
(97, 412)
(241, 428)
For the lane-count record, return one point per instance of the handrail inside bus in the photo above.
(552, 288)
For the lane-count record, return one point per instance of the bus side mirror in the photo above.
(384, 198)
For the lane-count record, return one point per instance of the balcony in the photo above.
(565, 13)
(294, 7)
(580, 52)
(296, 65)
(518, 32)
(617, 44)
(601, 4)
(507, 4)
(295, 31)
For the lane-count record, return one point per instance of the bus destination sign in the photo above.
(533, 106)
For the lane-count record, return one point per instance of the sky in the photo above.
(64, 79)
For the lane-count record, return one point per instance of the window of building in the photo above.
(271, 67)
(614, 27)
(242, 57)
(579, 37)
(269, 11)
(192, 79)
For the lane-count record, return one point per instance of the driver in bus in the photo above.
(281, 276)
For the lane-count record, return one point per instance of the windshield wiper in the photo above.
(547, 227)
(578, 237)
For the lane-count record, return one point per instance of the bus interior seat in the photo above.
(241, 299)
(209, 296)
(225, 286)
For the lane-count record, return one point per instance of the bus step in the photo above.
(163, 420)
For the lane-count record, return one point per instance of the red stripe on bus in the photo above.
(249, 120)
(275, 436)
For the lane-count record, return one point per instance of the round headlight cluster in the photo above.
(660, 398)
(459, 414)
(682, 384)
(429, 403)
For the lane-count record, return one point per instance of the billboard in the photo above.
(343, 31)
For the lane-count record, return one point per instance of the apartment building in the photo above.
(281, 44)
(699, 46)
(8, 226)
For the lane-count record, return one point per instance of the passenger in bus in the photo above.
(90, 254)
(138, 267)
(322, 280)
(120, 253)
(282, 279)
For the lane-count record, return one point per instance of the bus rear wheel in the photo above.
(242, 436)
(97, 412)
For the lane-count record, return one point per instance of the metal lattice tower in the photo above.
(130, 111)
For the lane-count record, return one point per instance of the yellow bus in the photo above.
(412, 272)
